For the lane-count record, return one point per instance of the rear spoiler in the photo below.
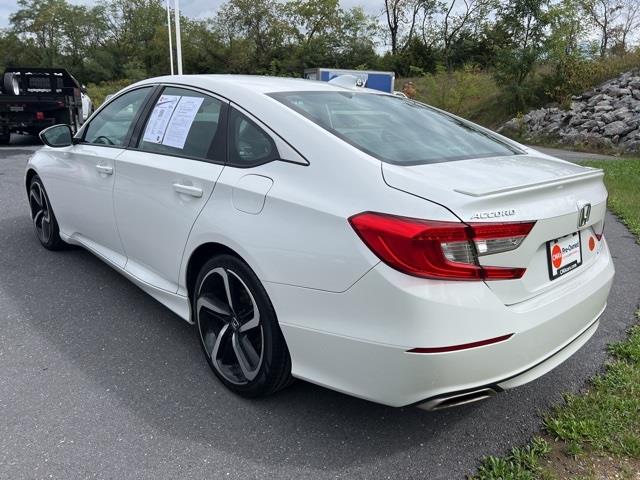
(577, 177)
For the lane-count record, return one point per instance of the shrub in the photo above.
(99, 91)
(572, 75)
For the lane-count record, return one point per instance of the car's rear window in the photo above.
(394, 129)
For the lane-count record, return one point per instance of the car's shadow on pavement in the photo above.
(136, 350)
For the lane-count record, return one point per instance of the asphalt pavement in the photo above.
(571, 156)
(98, 380)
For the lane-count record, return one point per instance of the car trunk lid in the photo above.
(516, 188)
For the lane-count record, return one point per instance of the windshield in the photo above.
(394, 129)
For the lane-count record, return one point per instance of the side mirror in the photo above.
(57, 136)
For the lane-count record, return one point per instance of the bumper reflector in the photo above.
(464, 346)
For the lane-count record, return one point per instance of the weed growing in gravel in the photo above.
(520, 464)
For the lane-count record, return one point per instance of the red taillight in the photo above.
(39, 115)
(464, 346)
(439, 250)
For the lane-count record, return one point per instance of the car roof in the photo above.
(234, 86)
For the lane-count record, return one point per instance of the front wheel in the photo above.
(42, 216)
(238, 329)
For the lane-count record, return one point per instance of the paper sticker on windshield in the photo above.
(159, 119)
(181, 121)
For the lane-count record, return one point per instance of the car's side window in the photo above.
(185, 123)
(111, 125)
(249, 145)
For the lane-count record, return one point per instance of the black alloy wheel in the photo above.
(44, 220)
(238, 329)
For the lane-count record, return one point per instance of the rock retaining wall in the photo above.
(607, 116)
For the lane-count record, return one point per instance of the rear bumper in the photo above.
(356, 342)
(25, 122)
(518, 379)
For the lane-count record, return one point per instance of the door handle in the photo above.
(106, 169)
(188, 190)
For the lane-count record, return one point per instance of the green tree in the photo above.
(313, 18)
(42, 21)
(131, 26)
(357, 35)
(258, 25)
(327, 35)
(203, 49)
(458, 20)
(520, 32)
(569, 69)
(81, 30)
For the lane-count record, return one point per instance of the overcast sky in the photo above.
(192, 8)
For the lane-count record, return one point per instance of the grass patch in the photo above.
(622, 178)
(595, 434)
(521, 464)
(606, 419)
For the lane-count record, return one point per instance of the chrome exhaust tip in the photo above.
(455, 400)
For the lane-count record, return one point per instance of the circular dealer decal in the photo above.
(556, 256)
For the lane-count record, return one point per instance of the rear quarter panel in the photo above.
(302, 236)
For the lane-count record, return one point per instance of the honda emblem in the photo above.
(584, 211)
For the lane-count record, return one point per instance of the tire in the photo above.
(5, 138)
(238, 329)
(76, 123)
(10, 84)
(42, 216)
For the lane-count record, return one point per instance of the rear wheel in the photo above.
(238, 329)
(5, 138)
(44, 221)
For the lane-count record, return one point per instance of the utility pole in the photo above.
(170, 40)
(178, 40)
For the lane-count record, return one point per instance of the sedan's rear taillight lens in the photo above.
(440, 250)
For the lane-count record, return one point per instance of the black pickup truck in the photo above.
(32, 99)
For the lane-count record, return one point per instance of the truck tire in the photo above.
(5, 138)
(63, 116)
(10, 84)
(75, 123)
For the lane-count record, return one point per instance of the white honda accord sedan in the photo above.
(361, 241)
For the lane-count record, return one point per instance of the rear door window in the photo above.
(185, 123)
